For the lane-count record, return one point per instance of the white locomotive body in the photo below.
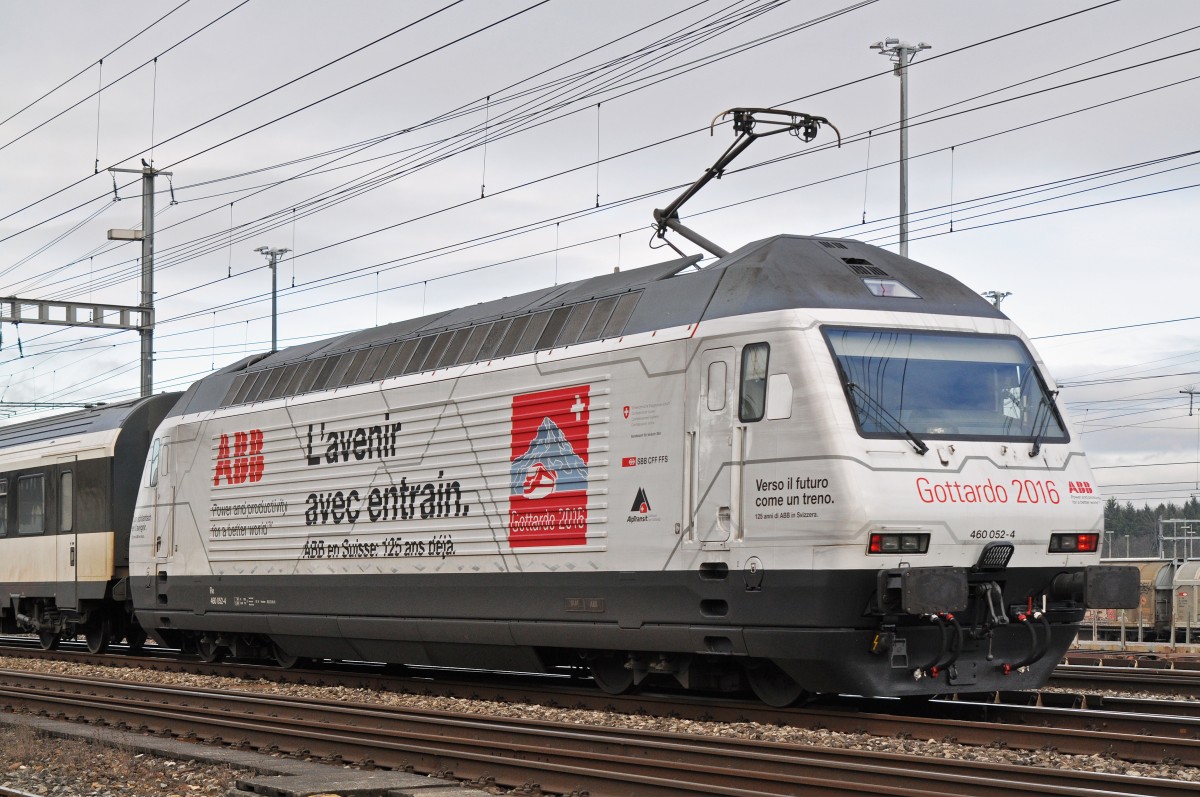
(813, 465)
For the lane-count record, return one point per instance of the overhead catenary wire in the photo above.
(293, 213)
(773, 160)
(1014, 31)
(249, 233)
(69, 210)
(84, 70)
(72, 107)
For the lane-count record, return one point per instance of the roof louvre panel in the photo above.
(574, 324)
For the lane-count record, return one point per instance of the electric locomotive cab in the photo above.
(1003, 570)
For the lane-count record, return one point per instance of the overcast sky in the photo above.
(1059, 149)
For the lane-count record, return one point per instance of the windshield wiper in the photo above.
(1042, 422)
(881, 412)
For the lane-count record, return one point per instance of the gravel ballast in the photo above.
(38, 763)
(928, 748)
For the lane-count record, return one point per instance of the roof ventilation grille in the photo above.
(833, 244)
(863, 268)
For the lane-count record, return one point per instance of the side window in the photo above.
(716, 385)
(31, 505)
(753, 393)
(3, 507)
(66, 501)
(155, 452)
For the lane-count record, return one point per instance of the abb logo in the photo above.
(1079, 487)
(245, 463)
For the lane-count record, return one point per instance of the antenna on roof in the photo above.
(803, 126)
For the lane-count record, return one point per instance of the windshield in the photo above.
(938, 384)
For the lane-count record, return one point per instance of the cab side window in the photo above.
(155, 453)
(3, 507)
(753, 393)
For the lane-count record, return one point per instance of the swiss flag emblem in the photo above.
(625, 411)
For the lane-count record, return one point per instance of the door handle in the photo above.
(72, 554)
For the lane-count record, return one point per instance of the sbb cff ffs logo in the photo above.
(245, 463)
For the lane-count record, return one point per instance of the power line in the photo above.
(111, 52)
(859, 5)
(72, 107)
(1105, 4)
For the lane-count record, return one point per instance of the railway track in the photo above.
(1083, 672)
(560, 758)
(1133, 722)
(1181, 682)
(1132, 729)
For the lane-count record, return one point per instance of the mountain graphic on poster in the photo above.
(549, 453)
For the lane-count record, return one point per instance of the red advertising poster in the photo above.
(547, 504)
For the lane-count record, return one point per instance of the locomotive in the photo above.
(809, 466)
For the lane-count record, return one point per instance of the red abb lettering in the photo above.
(246, 462)
(254, 457)
(224, 466)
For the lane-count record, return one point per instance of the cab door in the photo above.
(162, 521)
(712, 445)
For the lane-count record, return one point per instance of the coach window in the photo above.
(31, 505)
(753, 392)
(66, 501)
(3, 507)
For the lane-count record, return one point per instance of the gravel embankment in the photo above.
(38, 764)
(746, 730)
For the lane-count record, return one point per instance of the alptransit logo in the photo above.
(245, 463)
(547, 502)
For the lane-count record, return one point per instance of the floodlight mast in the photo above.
(802, 125)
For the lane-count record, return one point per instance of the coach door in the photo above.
(712, 450)
(61, 494)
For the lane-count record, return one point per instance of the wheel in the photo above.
(135, 638)
(286, 660)
(98, 635)
(611, 674)
(772, 685)
(49, 639)
(208, 649)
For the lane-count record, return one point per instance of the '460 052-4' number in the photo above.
(993, 534)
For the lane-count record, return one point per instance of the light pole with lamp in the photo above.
(902, 54)
(273, 255)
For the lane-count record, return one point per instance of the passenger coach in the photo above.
(67, 490)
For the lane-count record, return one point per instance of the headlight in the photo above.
(897, 543)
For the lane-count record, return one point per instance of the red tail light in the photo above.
(1082, 542)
